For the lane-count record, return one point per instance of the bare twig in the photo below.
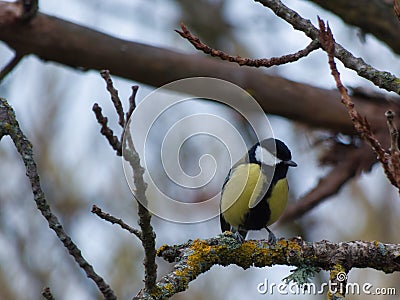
(360, 124)
(396, 9)
(9, 126)
(394, 133)
(106, 131)
(382, 79)
(113, 220)
(394, 157)
(132, 104)
(243, 61)
(147, 234)
(114, 96)
(125, 135)
(47, 294)
(11, 65)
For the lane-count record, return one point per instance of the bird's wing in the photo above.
(226, 180)
(260, 189)
(224, 225)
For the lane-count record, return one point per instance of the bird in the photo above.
(255, 191)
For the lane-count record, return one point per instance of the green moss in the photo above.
(302, 275)
(336, 276)
(156, 293)
(337, 268)
(161, 249)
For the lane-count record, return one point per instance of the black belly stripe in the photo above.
(258, 216)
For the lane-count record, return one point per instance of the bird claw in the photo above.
(271, 237)
(238, 237)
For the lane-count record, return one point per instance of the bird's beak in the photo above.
(290, 163)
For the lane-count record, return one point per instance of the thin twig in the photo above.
(132, 104)
(381, 79)
(394, 133)
(243, 61)
(9, 126)
(106, 131)
(46, 293)
(113, 220)
(11, 65)
(396, 9)
(114, 96)
(148, 236)
(394, 157)
(360, 123)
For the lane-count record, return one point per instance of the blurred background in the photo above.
(78, 168)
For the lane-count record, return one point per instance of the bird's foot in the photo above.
(238, 237)
(271, 237)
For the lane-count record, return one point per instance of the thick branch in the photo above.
(196, 257)
(57, 40)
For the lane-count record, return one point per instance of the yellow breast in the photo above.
(278, 199)
(242, 190)
(245, 183)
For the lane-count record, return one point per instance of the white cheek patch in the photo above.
(265, 157)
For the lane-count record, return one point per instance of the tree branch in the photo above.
(107, 131)
(196, 257)
(371, 16)
(394, 133)
(388, 162)
(243, 61)
(126, 148)
(151, 65)
(11, 65)
(384, 80)
(113, 220)
(9, 126)
(396, 9)
(47, 294)
(114, 96)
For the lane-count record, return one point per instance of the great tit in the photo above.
(255, 192)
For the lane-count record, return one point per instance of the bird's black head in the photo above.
(271, 152)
